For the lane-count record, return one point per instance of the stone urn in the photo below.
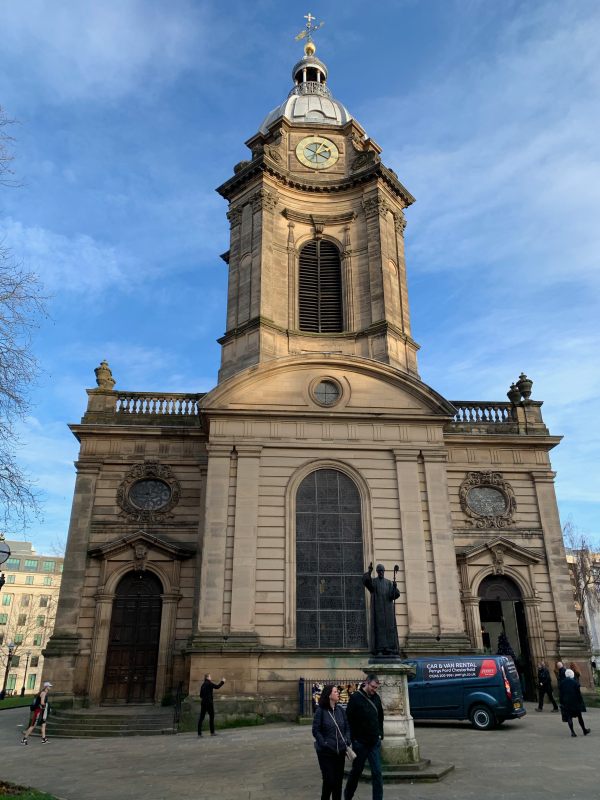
(524, 385)
(513, 394)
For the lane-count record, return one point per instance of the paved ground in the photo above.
(530, 759)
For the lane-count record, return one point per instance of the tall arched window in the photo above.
(320, 288)
(330, 598)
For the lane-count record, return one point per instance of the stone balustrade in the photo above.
(157, 404)
(477, 411)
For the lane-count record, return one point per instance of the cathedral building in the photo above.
(228, 532)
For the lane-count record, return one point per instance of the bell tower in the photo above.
(316, 258)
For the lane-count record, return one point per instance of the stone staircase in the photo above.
(110, 721)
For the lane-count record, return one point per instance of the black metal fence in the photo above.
(309, 691)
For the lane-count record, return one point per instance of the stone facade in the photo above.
(228, 464)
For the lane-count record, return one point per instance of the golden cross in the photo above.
(310, 28)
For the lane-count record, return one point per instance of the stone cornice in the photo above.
(377, 328)
(260, 164)
(318, 219)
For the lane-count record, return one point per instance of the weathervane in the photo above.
(310, 28)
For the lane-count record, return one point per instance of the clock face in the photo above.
(149, 495)
(317, 152)
(486, 500)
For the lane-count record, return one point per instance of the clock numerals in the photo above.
(317, 152)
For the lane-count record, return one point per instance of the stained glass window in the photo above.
(330, 598)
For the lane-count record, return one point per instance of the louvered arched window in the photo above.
(320, 288)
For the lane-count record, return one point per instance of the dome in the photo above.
(310, 100)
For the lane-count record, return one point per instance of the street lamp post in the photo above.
(4, 556)
(11, 650)
(25, 675)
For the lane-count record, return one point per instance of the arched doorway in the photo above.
(501, 611)
(330, 598)
(131, 659)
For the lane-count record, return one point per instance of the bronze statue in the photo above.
(384, 634)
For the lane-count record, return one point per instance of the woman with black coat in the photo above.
(571, 702)
(332, 736)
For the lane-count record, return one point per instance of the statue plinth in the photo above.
(400, 758)
(399, 745)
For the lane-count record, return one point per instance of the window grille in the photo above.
(320, 288)
(330, 598)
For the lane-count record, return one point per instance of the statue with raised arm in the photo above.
(384, 634)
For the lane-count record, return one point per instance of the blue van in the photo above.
(483, 689)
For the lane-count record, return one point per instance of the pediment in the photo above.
(497, 549)
(287, 385)
(142, 539)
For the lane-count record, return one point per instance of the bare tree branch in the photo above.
(584, 567)
(21, 308)
(6, 157)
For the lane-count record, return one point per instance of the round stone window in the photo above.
(150, 494)
(327, 393)
(486, 501)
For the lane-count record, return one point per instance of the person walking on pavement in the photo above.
(365, 716)
(39, 714)
(545, 687)
(332, 737)
(571, 702)
(207, 705)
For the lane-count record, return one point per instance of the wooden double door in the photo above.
(132, 656)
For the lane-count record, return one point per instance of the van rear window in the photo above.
(442, 670)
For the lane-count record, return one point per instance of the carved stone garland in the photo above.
(486, 511)
(150, 470)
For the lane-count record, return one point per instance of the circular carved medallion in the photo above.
(148, 492)
(487, 499)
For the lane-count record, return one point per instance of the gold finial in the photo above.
(309, 47)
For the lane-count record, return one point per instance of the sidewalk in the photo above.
(530, 759)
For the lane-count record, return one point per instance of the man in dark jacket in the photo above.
(365, 715)
(207, 704)
(544, 687)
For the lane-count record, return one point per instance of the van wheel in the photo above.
(482, 718)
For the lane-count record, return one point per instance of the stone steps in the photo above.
(98, 723)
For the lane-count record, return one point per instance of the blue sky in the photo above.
(131, 112)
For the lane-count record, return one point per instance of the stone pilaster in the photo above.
(104, 603)
(375, 211)
(442, 543)
(73, 579)
(413, 545)
(210, 615)
(164, 666)
(243, 590)
(562, 592)
(535, 632)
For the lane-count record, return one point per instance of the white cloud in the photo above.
(78, 50)
(77, 264)
(507, 165)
